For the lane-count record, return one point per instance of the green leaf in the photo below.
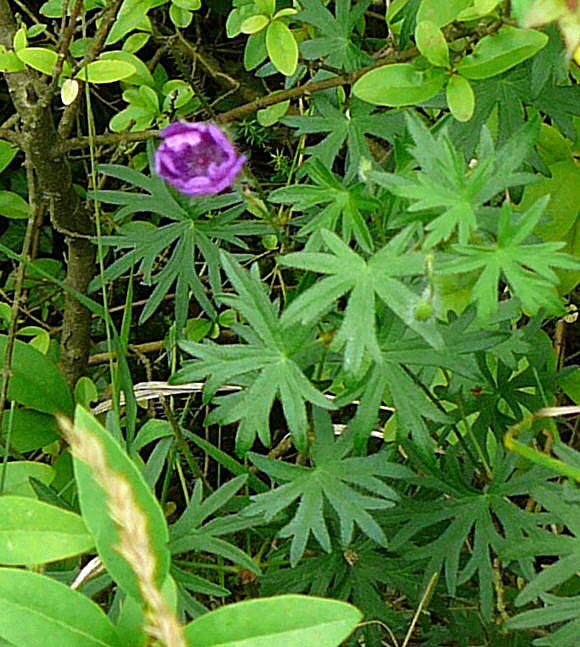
(13, 206)
(431, 43)
(9, 62)
(7, 153)
(132, 15)
(441, 13)
(269, 116)
(105, 71)
(190, 5)
(18, 475)
(485, 518)
(134, 42)
(350, 486)
(566, 547)
(141, 76)
(479, 9)
(35, 381)
(446, 183)
(349, 272)
(39, 58)
(93, 504)
(460, 98)
(528, 269)
(346, 209)
(30, 429)
(351, 128)
(561, 213)
(20, 40)
(557, 610)
(282, 47)
(287, 621)
(499, 52)
(337, 44)
(254, 24)
(180, 17)
(270, 364)
(399, 84)
(32, 532)
(190, 533)
(36, 610)
(255, 51)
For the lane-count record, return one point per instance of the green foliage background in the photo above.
(352, 375)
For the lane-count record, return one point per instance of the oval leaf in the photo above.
(13, 206)
(35, 381)
(39, 58)
(500, 52)
(30, 429)
(7, 153)
(282, 48)
(36, 610)
(19, 473)
(141, 75)
(272, 114)
(460, 98)
(33, 532)
(439, 12)
(9, 62)
(432, 44)
(254, 24)
(69, 91)
(106, 71)
(284, 621)
(400, 84)
(132, 15)
(255, 51)
(94, 508)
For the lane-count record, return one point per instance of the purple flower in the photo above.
(197, 158)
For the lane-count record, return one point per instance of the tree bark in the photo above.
(43, 148)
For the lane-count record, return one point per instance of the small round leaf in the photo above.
(69, 91)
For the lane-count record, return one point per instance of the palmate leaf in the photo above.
(335, 44)
(357, 575)
(334, 481)
(343, 203)
(350, 272)
(188, 241)
(404, 356)
(558, 610)
(536, 82)
(270, 365)
(488, 519)
(190, 533)
(528, 269)
(350, 127)
(567, 546)
(446, 183)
